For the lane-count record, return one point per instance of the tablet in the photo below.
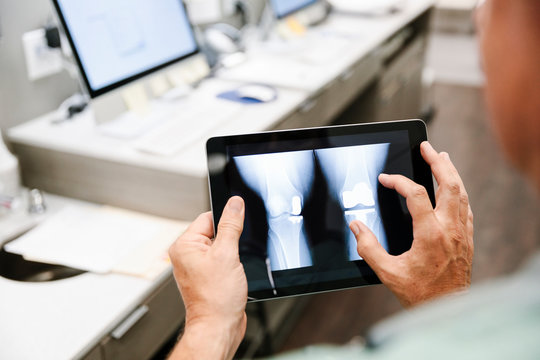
(301, 190)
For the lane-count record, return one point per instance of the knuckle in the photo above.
(229, 226)
(174, 250)
(362, 246)
(464, 198)
(453, 187)
(456, 236)
(419, 191)
(444, 156)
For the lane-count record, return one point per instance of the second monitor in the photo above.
(283, 8)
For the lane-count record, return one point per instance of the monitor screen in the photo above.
(283, 8)
(118, 41)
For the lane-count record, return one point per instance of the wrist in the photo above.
(211, 338)
(200, 317)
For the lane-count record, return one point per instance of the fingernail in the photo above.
(235, 204)
(383, 178)
(355, 228)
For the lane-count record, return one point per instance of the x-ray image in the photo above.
(283, 181)
(352, 175)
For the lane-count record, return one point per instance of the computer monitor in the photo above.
(118, 41)
(284, 8)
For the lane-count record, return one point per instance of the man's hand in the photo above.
(440, 259)
(213, 285)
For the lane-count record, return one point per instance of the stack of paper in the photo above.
(101, 240)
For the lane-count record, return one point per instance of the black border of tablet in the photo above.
(219, 194)
(97, 92)
(283, 16)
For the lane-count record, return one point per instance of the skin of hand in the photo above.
(213, 285)
(440, 259)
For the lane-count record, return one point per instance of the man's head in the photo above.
(510, 45)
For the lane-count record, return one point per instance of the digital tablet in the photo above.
(301, 190)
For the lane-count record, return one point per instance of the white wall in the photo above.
(21, 99)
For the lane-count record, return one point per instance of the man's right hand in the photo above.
(440, 259)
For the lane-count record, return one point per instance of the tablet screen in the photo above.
(301, 192)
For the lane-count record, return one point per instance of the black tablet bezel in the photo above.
(219, 193)
(94, 93)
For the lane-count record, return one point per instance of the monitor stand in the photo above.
(130, 111)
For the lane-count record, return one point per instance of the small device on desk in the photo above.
(251, 94)
(129, 53)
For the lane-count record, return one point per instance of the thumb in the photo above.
(370, 249)
(231, 224)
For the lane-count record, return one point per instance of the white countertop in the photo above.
(66, 318)
(362, 33)
(81, 137)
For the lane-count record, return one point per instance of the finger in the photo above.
(231, 225)
(451, 189)
(203, 225)
(371, 250)
(416, 195)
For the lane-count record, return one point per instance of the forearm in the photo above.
(205, 341)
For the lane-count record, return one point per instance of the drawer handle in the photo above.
(128, 323)
(347, 75)
(307, 106)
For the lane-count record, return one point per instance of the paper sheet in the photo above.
(100, 240)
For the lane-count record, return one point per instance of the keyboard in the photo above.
(187, 126)
(130, 125)
(323, 51)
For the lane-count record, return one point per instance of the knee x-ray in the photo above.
(352, 173)
(282, 180)
(285, 181)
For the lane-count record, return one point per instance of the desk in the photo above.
(74, 317)
(74, 160)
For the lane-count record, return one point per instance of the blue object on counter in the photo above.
(251, 94)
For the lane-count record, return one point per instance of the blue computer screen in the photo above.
(285, 7)
(116, 40)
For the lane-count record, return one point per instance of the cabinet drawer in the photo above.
(94, 354)
(143, 332)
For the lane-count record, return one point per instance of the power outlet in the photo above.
(41, 61)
